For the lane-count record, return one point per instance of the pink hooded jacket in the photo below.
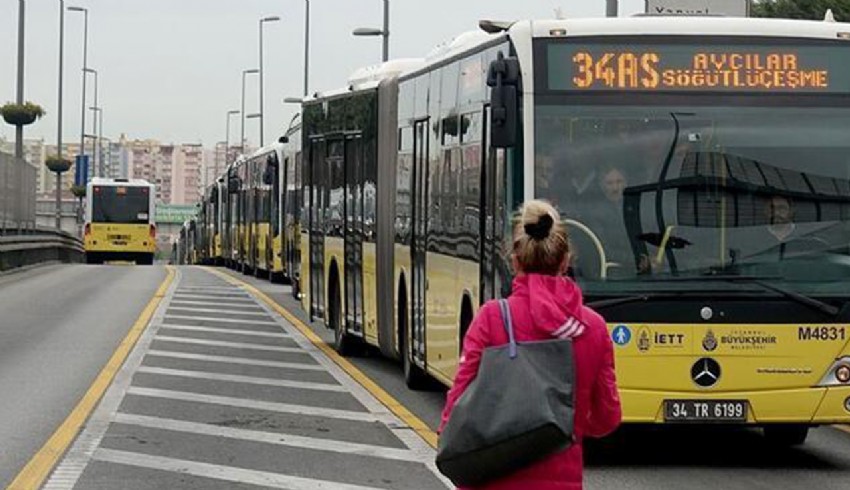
(544, 307)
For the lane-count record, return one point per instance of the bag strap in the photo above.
(509, 327)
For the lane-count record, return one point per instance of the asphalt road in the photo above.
(220, 391)
(58, 327)
(651, 458)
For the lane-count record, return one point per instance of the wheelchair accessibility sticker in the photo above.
(621, 335)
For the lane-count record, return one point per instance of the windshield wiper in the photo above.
(813, 303)
(608, 303)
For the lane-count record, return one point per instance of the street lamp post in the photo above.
(244, 74)
(94, 122)
(85, 12)
(306, 45)
(262, 109)
(97, 119)
(100, 139)
(59, 112)
(226, 142)
(19, 129)
(385, 32)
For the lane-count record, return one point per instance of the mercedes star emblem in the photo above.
(705, 372)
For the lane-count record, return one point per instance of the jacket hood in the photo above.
(555, 304)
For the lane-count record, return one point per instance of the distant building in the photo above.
(187, 165)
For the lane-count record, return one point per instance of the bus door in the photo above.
(271, 214)
(419, 283)
(493, 217)
(318, 203)
(353, 229)
(285, 195)
(254, 228)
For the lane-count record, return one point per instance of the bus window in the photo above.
(121, 205)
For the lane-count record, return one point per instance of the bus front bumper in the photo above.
(815, 406)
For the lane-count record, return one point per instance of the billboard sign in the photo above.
(726, 8)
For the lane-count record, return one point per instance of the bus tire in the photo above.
(786, 434)
(344, 343)
(145, 259)
(93, 258)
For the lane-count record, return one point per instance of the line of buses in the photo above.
(708, 204)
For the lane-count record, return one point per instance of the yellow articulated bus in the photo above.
(254, 209)
(700, 164)
(210, 219)
(120, 221)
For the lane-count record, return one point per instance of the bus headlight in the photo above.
(847, 404)
(838, 373)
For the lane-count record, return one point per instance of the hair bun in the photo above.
(541, 229)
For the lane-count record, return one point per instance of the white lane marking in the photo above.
(244, 321)
(401, 430)
(235, 360)
(223, 343)
(66, 475)
(236, 299)
(246, 306)
(235, 331)
(213, 296)
(236, 378)
(220, 472)
(274, 438)
(216, 310)
(257, 404)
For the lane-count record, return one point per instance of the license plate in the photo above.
(705, 410)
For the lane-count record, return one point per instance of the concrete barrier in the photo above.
(38, 247)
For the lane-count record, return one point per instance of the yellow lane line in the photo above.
(42, 463)
(385, 398)
(844, 428)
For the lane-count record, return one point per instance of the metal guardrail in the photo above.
(38, 246)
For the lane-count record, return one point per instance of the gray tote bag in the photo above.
(517, 411)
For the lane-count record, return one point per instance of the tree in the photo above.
(801, 9)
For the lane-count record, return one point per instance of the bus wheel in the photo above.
(344, 343)
(92, 258)
(786, 434)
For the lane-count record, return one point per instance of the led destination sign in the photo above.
(675, 67)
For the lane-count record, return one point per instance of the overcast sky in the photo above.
(171, 69)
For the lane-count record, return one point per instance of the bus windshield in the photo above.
(671, 192)
(121, 205)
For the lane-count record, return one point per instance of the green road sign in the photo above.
(175, 213)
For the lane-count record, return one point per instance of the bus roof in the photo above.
(120, 182)
(369, 78)
(684, 26)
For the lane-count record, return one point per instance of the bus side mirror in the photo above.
(268, 175)
(233, 185)
(271, 170)
(503, 79)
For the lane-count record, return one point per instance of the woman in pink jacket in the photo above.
(545, 304)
